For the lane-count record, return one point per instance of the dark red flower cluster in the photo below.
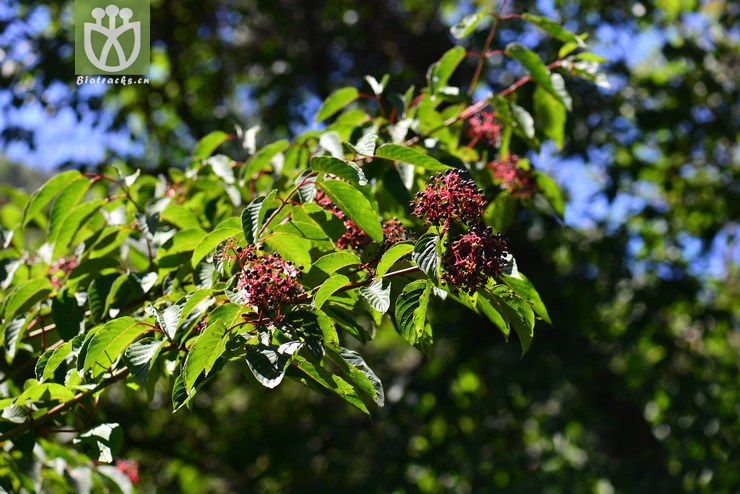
(130, 468)
(449, 197)
(474, 257)
(353, 236)
(484, 127)
(267, 280)
(516, 180)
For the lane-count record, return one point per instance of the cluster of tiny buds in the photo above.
(449, 197)
(63, 264)
(483, 127)
(267, 280)
(518, 181)
(473, 258)
(130, 468)
(354, 237)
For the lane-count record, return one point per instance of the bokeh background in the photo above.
(635, 389)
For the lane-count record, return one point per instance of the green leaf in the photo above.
(44, 392)
(76, 217)
(290, 247)
(104, 441)
(208, 347)
(553, 29)
(330, 263)
(345, 360)
(179, 394)
(211, 241)
(339, 168)
(323, 379)
(335, 102)
(50, 361)
(524, 288)
(468, 24)
(425, 255)
(254, 214)
(109, 342)
(169, 319)
(362, 375)
(537, 70)
(328, 288)
(411, 156)
(70, 196)
(98, 293)
(221, 166)
(194, 304)
(25, 295)
(139, 358)
(46, 192)
(551, 116)
(411, 309)
(366, 144)
(228, 314)
(355, 205)
(378, 294)
(391, 256)
(67, 314)
(551, 191)
(447, 64)
(485, 308)
(517, 311)
(13, 332)
(262, 158)
(208, 144)
(180, 216)
(303, 229)
(268, 363)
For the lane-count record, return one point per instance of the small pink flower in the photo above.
(130, 468)
(483, 127)
(517, 181)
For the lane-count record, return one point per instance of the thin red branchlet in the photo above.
(516, 180)
(354, 237)
(267, 280)
(130, 468)
(449, 197)
(473, 258)
(483, 127)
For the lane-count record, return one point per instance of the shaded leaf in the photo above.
(268, 363)
(139, 357)
(335, 102)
